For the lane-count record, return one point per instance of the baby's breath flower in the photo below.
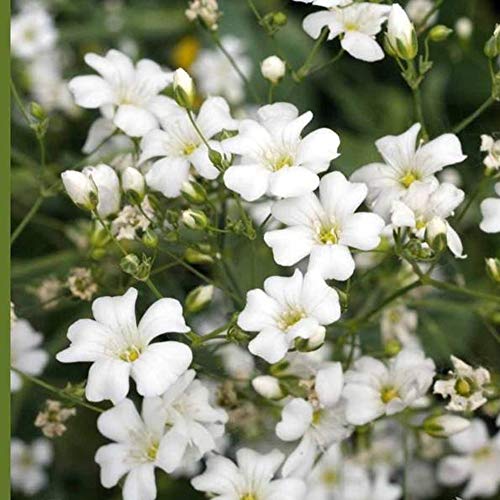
(51, 420)
(81, 283)
(48, 291)
(207, 11)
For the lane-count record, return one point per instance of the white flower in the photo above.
(124, 92)
(288, 308)
(317, 422)
(192, 424)
(417, 11)
(465, 386)
(26, 353)
(133, 180)
(205, 10)
(215, 76)
(238, 363)
(445, 425)
(401, 34)
(405, 163)
(139, 447)
(335, 478)
(492, 147)
(132, 220)
(177, 146)
(275, 160)
(251, 478)
(356, 23)
(273, 69)
(267, 386)
(398, 323)
(32, 32)
(325, 228)
(119, 348)
(426, 205)
(80, 189)
(477, 461)
(373, 389)
(27, 464)
(490, 211)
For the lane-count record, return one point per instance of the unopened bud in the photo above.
(493, 269)
(133, 182)
(136, 267)
(150, 238)
(199, 298)
(392, 347)
(443, 426)
(184, 91)
(312, 343)
(273, 69)
(439, 33)
(80, 189)
(194, 256)
(37, 111)
(464, 28)
(435, 234)
(267, 386)
(194, 219)
(401, 34)
(194, 192)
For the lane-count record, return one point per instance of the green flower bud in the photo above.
(439, 33)
(194, 192)
(493, 269)
(150, 238)
(194, 256)
(194, 219)
(442, 426)
(199, 298)
(184, 90)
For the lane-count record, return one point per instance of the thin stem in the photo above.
(270, 93)
(254, 9)
(59, 392)
(19, 102)
(477, 191)
(419, 111)
(27, 218)
(234, 64)
(198, 131)
(467, 121)
(442, 285)
(333, 60)
(303, 71)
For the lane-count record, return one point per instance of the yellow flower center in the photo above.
(317, 414)
(152, 451)
(351, 26)
(290, 318)
(329, 477)
(327, 235)
(283, 161)
(248, 496)
(409, 178)
(420, 224)
(130, 354)
(483, 453)
(463, 387)
(387, 394)
(189, 148)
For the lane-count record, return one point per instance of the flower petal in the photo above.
(362, 46)
(332, 262)
(296, 417)
(270, 344)
(108, 379)
(134, 121)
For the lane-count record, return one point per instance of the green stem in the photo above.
(477, 191)
(59, 392)
(333, 60)
(303, 71)
(442, 285)
(198, 131)
(419, 111)
(467, 121)
(19, 102)
(27, 218)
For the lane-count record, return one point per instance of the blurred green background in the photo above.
(360, 101)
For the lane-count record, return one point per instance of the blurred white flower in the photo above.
(398, 323)
(490, 211)
(139, 446)
(492, 147)
(177, 145)
(275, 159)
(192, 424)
(267, 386)
(465, 386)
(427, 205)
(418, 11)
(237, 361)
(133, 180)
(125, 93)
(406, 161)
(287, 309)
(26, 352)
(464, 28)
(318, 422)
(207, 11)
(373, 389)
(250, 478)
(324, 228)
(356, 23)
(28, 463)
(477, 461)
(215, 75)
(118, 348)
(32, 31)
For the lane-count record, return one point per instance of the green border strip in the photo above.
(5, 250)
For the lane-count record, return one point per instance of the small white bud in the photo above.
(199, 298)
(267, 386)
(80, 189)
(445, 425)
(435, 234)
(184, 90)
(273, 69)
(401, 34)
(194, 219)
(107, 182)
(133, 181)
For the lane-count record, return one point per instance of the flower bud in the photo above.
(392, 347)
(199, 298)
(136, 267)
(493, 269)
(439, 33)
(133, 182)
(184, 91)
(401, 34)
(443, 426)
(194, 192)
(312, 343)
(107, 183)
(194, 219)
(37, 111)
(267, 386)
(435, 234)
(150, 238)
(194, 256)
(279, 19)
(273, 69)
(80, 189)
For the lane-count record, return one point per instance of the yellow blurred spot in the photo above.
(185, 52)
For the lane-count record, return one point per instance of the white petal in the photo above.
(90, 91)
(315, 22)
(98, 131)
(296, 417)
(289, 245)
(260, 311)
(440, 152)
(362, 231)
(402, 215)
(329, 384)
(318, 148)
(320, 300)
(270, 344)
(285, 290)
(490, 210)
(362, 46)
(332, 262)
(108, 379)
(121, 422)
(117, 313)
(302, 211)
(171, 450)
(112, 459)
(250, 181)
(168, 175)
(454, 470)
(292, 181)
(140, 483)
(154, 144)
(454, 242)
(159, 366)
(202, 163)
(165, 315)
(134, 121)
(363, 404)
(214, 116)
(300, 461)
(257, 467)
